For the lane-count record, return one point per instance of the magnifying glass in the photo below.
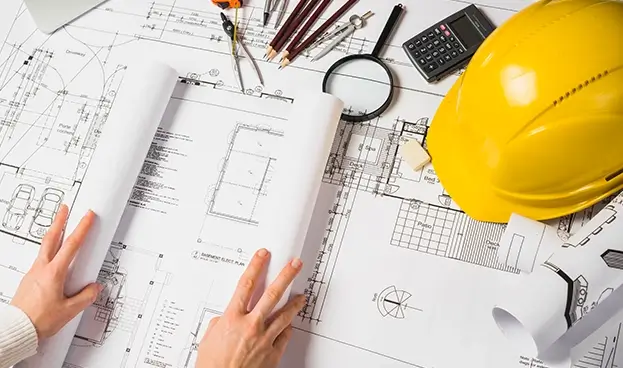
(364, 82)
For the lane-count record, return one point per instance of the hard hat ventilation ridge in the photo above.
(580, 87)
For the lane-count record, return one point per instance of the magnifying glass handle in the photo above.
(389, 28)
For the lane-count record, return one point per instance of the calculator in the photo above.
(448, 45)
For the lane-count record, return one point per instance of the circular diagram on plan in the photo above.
(393, 302)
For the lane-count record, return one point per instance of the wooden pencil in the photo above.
(292, 28)
(310, 22)
(314, 36)
(285, 26)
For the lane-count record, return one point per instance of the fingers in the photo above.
(281, 342)
(72, 244)
(283, 318)
(83, 299)
(52, 239)
(275, 291)
(248, 282)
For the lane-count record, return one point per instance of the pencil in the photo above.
(314, 36)
(285, 27)
(292, 28)
(310, 22)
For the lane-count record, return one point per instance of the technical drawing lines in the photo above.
(245, 175)
(604, 354)
(449, 233)
(611, 216)
(205, 317)
(613, 258)
(393, 302)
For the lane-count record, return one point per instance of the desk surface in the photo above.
(397, 275)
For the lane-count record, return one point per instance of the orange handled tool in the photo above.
(226, 4)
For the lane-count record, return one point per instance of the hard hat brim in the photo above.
(464, 175)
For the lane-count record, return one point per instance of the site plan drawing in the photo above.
(395, 273)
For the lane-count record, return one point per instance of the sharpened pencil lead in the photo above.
(272, 55)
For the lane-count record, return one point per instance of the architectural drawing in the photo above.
(386, 224)
(611, 218)
(606, 354)
(245, 174)
(118, 312)
(392, 302)
(204, 318)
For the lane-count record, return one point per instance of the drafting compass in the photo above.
(235, 44)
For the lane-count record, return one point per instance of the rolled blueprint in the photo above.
(562, 301)
(302, 160)
(116, 163)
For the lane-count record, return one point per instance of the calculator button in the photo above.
(448, 46)
(416, 54)
(436, 43)
(442, 27)
(411, 46)
(435, 54)
(431, 35)
(447, 33)
(418, 43)
(442, 50)
(456, 44)
(423, 50)
(432, 66)
(424, 39)
(442, 38)
(430, 46)
(454, 54)
(452, 39)
(447, 57)
(437, 32)
(461, 50)
(422, 62)
(441, 61)
(429, 58)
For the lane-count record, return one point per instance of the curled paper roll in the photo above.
(302, 160)
(554, 301)
(116, 163)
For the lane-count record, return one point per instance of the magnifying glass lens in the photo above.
(362, 84)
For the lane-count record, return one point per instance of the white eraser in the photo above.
(414, 154)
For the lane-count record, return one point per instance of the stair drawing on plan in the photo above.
(605, 354)
(117, 312)
(245, 174)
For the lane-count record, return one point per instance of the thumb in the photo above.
(84, 298)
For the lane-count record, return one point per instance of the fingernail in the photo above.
(262, 252)
(296, 263)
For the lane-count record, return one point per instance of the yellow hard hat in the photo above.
(535, 124)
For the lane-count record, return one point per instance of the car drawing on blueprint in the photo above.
(46, 210)
(18, 207)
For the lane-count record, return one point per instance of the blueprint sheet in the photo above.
(396, 274)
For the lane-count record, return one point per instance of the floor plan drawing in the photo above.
(245, 174)
(605, 354)
(392, 259)
(116, 316)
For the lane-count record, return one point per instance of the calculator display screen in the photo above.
(466, 32)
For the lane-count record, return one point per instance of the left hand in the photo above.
(41, 294)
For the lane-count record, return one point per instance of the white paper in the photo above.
(556, 299)
(395, 273)
(314, 119)
(116, 163)
(527, 243)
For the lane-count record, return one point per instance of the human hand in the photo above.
(257, 338)
(41, 293)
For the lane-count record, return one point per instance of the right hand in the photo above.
(41, 293)
(257, 338)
